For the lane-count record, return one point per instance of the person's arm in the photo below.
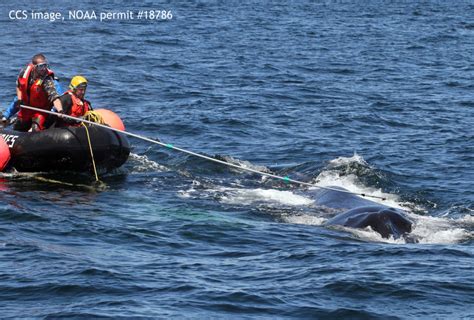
(18, 94)
(66, 102)
(12, 109)
(49, 87)
(58, 105)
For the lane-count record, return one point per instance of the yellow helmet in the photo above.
(78, 81)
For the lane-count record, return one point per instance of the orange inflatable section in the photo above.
(111, 118)
(4, 154)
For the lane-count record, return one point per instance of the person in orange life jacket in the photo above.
(73, 103)
(35, 88)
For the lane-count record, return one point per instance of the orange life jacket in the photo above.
(79, 107)
(34, 95)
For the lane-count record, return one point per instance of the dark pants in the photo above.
(36, 123)
(22, 125)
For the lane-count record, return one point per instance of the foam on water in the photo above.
(250, 196)
(141, 163)
(189, 193)
(342, 161)
(332, 177)
(307, 219)
(430, 229)
(467, 219)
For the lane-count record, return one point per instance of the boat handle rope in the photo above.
(285, 179)
(92, 152)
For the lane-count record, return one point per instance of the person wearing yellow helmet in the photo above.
(73, 102)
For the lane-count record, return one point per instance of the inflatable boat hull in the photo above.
(66, 149)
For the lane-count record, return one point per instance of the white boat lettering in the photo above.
(9, 139)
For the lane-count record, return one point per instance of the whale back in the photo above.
(340, 200)
(384, 220)
(362, 213)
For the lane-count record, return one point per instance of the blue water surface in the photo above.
(373, 96)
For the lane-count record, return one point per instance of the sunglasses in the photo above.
(42, 66)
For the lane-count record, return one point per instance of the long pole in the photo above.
(170, 146)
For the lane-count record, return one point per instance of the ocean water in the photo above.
(373, 96)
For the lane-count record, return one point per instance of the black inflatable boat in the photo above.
(66, 149)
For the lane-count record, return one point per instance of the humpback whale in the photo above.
(362, 213)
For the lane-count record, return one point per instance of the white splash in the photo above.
(467, 219)
(251, 196)
(186, 194)
(330, 177)
(340, 161)
(370, 235)
(143, 164)
(305, 219)
(439, 230)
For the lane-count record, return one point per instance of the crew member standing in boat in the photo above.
(73, 103)
(35, 87)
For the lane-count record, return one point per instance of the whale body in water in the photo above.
(362, 213)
